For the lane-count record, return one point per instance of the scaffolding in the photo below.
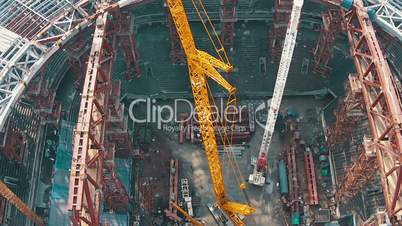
(228, 20)
(280, 19)
(323, 52)
(128, 45)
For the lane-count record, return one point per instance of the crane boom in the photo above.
(188, 216)
(202, 66)
(19, 204)
(260, 167)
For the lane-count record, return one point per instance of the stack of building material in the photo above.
(237, 151)
(117, 128)
(43, 99)
(185, 193)
(186, 129)
(310, 177)
(293, 185)
(171, 212)
(115, 193)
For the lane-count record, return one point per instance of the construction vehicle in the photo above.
(202, 66)
(261, 164)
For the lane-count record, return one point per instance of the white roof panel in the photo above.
(7, 39)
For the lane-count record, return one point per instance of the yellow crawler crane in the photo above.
(202, 66)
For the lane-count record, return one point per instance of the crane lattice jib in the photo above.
(19, 204)
(188, 216)
(201, 65)
(284, 65)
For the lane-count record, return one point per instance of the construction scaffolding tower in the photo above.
(323, 52)
(228, 20)
(177, 55)
(280, 19)
(127, 42)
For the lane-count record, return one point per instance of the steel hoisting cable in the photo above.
(218, 49)
(227, 145)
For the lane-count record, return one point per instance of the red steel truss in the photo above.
(90, 149)
(310, 178)
(359, 174)
(128, 45)
(276, 34)
(350, 112)
(176, 51)
(383, 104)
(383, 107)
(115, 194)
(228, 20)
(43, 98)
(331, 26)
(379, 219)
(116, 125)
(293, 181)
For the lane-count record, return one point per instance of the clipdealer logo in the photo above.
(168, 113)
(261, 107)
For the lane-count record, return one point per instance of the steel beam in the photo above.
(280, 19)
(115, 194)
(379, 219)
(128, 44)
(389, 17)
(20, 205)
(323, 52)
(359, 174)
(311, 178)
(86, 177)
(228, 20)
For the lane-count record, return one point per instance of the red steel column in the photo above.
(176, 51)
(331, 26)
(228, 20)
(128, 44)
(277, 33)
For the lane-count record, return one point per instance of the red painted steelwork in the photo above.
(228, 20)
(323, 52)
(311, 179)
(383, 103)
(128, 44)
(86, 177)
(277, 32)
(176, 51)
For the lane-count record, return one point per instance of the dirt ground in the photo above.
(266, 200)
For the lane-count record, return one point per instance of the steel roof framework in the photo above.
(35, 45)
(389, 17)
